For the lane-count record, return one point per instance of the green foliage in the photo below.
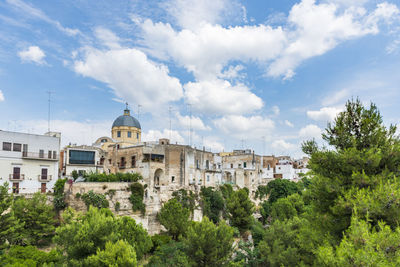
(240, 210)
(187, 199)
(171, 254)
(134, 234)
(75, 174)
(111, 193)
(359, 127)
(248, 255)
(117, 206)
(208, 244)
(159, 241)
(174, 218)
(257, 232)
(59, 197)
(30, 256)
(117, 177)
(261, 191)
(82, 235)
(37, 218)
(226, 190)
(363, 245)
(286, 208)
(213, 203)
(136, 197)
(280, 188)
(96, 200)
(9, 224)
(120, 253)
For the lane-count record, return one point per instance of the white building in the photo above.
(29, 162)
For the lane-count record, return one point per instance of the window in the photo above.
(81, 157)
(109, 161)
(49, 154)
(103, 140)
(129, 134)
(16, 172)
(231, 166)
(6, 146)
(41, 153)
(207, 164)
(239, 165)
(197, 164)
(44, 174)
(208, 178)
(268, 167)
(54, 154)
(43, 188)
(17, 147)
(118, 133)
(173, 178)
(244, 164)
(133, 159)
(123, 163)
(137, 135)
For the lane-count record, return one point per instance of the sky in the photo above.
(263, 75)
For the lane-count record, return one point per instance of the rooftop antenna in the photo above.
(48, 112)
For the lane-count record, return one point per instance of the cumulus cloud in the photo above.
(281, 145)
(132, 76)
(221, 97)
(245, 127)
(288, 123)
(1, 96)
(310, 131)
(312, 30)
(325, 114)
(195, 122)
(155, 135)
(32, 54)
(75, 132)
(276, 110)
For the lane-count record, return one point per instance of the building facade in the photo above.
(29, 162)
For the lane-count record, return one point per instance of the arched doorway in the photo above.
(158, 175)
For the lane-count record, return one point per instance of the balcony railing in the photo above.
(44, 178)
(36, 155)
(17, 177)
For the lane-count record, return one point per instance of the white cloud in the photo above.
(75, 132)
(132, 76)
(155, 135)
(253, 127)
(325, 114)
(196, 123)
(338, 97)
(191, 14)
(281, 145)
(310, 131)
(33, 12)
(288, 123)
(1, 96)
(221, 97)
(108, 38)
(312, 30)
(276, 110)
(33, 54)
(213, 144)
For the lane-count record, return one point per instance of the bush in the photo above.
(117, 177)
(136, 197)
(96, 200)
(59, 202)
(117, 206)
(29, 256)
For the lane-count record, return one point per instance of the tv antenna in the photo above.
(48, 112)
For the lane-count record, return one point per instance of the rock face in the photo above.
(119, 192)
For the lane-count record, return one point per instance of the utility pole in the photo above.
(48, 113)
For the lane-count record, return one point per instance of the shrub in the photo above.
(117, 177)
(96, 200)
(136, 197)
(59, 202)
(117, 206)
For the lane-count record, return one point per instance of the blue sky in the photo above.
(264, 75)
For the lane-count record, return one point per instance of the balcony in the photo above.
(17, 177)
(40, 156)
(44, 178)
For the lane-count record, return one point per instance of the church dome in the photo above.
(126, 120)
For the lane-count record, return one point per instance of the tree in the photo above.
(280, 188)
(96, 200)
(286, 208)
(30, 256)
(363, 245)
(120, 253)
(59, 196)
(240, 209)
(37, 218)
(171, 254)
(135, 235)
(213, 203)
(208, 244)
(174, 218)
(9, 225)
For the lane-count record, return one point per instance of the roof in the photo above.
(126, 120)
